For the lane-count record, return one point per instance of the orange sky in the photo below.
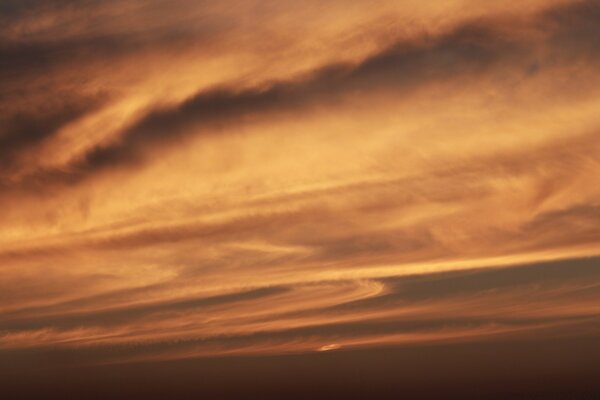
(186, 179)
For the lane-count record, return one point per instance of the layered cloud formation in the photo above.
(187, 179)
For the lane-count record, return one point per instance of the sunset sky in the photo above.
(257, 180)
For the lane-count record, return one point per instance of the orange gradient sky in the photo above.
(186, 179)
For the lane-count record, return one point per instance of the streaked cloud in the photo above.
(188, 180)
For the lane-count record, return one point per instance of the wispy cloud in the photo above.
(264, 178)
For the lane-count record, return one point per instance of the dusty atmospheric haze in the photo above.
(299, 199)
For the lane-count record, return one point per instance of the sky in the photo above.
(255, 185)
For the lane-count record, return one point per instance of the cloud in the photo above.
(472, 49)
(23, 131)
(457, 305)
(108, 317)
(240, 178)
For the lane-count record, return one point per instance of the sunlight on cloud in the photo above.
(269, 178)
